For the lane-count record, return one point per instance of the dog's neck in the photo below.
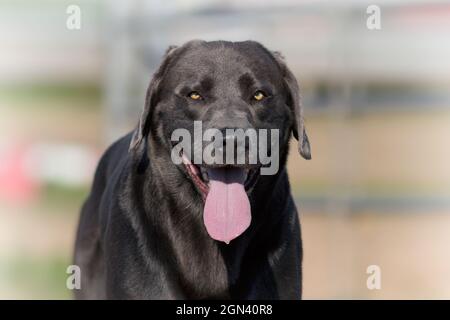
(199, 256)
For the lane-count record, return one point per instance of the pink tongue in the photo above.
(227, 211)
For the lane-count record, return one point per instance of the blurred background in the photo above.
(377, 109)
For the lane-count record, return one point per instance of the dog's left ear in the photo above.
(298, 129)
(150, 100)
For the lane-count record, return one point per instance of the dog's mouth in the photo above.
(227, 212)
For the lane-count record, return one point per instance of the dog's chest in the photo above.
(202, 272)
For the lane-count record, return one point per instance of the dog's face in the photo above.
(229, 88)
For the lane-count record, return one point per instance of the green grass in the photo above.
(56, 197)
(42, 277)
(51, 95)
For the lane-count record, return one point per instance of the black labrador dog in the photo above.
(155, 229)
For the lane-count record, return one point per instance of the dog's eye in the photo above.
(194, 95)
(259, 95)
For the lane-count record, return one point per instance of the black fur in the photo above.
(141, 233)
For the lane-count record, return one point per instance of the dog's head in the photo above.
(232, 99)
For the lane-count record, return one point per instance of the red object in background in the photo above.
(16, 183)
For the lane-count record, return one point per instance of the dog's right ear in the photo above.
(151, 99)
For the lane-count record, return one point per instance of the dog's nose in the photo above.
(233, 136)
(235, 145)
(230, 135)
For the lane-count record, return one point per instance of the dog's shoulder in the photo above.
(115, 154)
(109, 165)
